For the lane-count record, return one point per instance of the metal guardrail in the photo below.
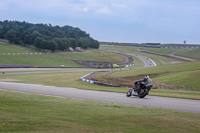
(95, 82)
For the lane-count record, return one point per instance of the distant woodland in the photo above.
(45, 36)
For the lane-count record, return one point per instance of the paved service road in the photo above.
(185, 105)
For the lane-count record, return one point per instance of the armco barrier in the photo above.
(96, 82)
(86, 80)
(129, 65)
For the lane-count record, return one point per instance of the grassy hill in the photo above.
(8, 48)
(165, 76)
(186, 52)
(184, 75)
(27, 56)
(159, 60)
(94, 55)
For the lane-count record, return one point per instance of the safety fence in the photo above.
(129, 65)
(95, 82)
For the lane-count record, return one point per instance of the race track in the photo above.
(177, 104)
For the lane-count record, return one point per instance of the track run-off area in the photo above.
(177, 104)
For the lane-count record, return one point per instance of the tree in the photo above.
(45, 36)
(94, 43)
(60, 44)
(72, 42)
(11, 36)
(83, 42)
(37, 42)
(66, 42)
(44, 44)
(52, 45)
(34, 35)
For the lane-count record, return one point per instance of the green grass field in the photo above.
(68, 79)
(8, 48)
(184, 74)
(54, 59)
(72, 79)
(189, 52)
(159, 60)
(94, 55)
(33, 113)
(43, 60)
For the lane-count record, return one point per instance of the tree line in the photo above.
(45, 36)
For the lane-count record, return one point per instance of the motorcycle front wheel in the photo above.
(143, 92)
(128, 94)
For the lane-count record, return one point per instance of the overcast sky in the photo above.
(140, 21)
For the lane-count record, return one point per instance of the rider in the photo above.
(147, 82)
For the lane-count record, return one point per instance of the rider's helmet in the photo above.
(146, 77)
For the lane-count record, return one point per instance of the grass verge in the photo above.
(72, 79)
(33, 113)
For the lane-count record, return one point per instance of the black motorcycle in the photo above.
(139, 90)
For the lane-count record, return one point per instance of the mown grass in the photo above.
(43, 60)
(54, 59)
(159, 60)
(72, 79)
(68, 79)
(184, 74)
(34, 113)
(137, 62)
(163, 50)
(93, 55)
(189, 52)
(188, 79)
(12, 48)
(176, 93)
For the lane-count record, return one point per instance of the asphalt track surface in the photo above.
(177, 104)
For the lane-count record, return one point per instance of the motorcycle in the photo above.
(139, 90)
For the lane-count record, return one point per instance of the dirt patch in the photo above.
(6, 80)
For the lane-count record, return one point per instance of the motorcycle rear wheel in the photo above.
(143, 92)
